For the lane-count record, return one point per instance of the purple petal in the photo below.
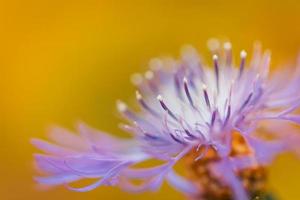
(265, 151)
(112, 172)
(148, 184)
(243, 162)
(51, 148)
(146, 172)
(57, 179)
(67, 139)
(182, 184)
(224, 170)
(80, 165)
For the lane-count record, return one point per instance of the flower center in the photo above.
(253, 179)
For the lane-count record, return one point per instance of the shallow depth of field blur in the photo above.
(62, 61)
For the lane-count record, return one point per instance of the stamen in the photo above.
(191, 81)
(256, 81)
(213, 118)
(198, 147)
(216, 66)
(187, 91)
(122, 108)
(145, 133)
(144, 105)
(152, 137)
(202, 154)
(165, 121)
(246, 102)
(257, 89)
(213, 45)
(256, 55)
(155, 64)
(266, 59)
(136, 79)
(164, 106)
(227, 115)
(176, 139)
(130, 115)
(230, 92)
(149, 75)
(127, 128)
(204, 87)
(243, 56)
(228, 53)
(177, 86)
(257, 76)
(231, 88)
(227, 46)
(198, 130)
(188, 133)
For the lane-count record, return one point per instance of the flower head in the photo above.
(188, 110)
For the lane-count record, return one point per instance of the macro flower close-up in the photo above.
(152, 99)
(226, 121)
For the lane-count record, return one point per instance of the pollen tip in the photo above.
(227, 45)
(136, 79)
(215, 57)
(185, 80)
(204, 87)
(135, 123)
(155, 64)
(243, 54)
(159, 97)
(149, 75)
(138, 95)
(268, 52)
(213, 44)
(257, 76)
(121, 106)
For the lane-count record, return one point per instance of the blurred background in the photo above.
(62, 61)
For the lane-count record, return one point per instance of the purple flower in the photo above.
(187, 108)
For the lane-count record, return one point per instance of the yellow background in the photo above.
(65, 60)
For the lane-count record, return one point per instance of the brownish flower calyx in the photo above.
(212, 188)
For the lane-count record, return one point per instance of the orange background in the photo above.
(64, 61)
